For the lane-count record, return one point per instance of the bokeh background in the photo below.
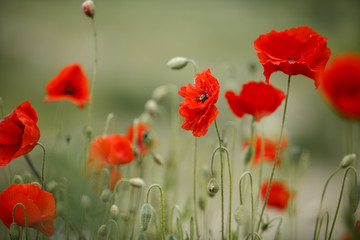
(137, 38)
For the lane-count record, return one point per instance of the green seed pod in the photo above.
(347, 160)
(177, 63)
(114, 212)
(103, 230)
(213, 187)
(145, 216)
(249, 152)
(14, 231)
(105, 195)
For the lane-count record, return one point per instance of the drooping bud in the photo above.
(151, 107)
(177, 63)
(213, 187)
(17, 179)
(105, 195)
(85, 202)
(14, 231)
(241, 215)
(248, 154)
(103, 230)
(114, 212)
(89, 8)
(347, 160)
(159, 160)
(160, 93)
(145, 216)
(137, 182)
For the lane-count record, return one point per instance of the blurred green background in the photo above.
(137, 38)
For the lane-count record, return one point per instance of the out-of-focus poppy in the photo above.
(279, 194)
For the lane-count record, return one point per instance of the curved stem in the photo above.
(194, 189)
(320, 224)
(180, 217)
(32, 167)
(105, 173)
(322, 200)
(109, 118)
(341, 194)
(116, 187)
(195, 67)
(252, 198)
(162, 206)
(26, 218)
(276, 155)
(43, 164)
(116, 227)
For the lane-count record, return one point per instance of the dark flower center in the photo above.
(69, 91)
(202, 98)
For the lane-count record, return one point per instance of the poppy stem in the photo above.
(109, 118)
(10, 173)
(31, 165)
(180, 233)
(252, 198)
(88, 123)
(261, 162)
(341, 194)
(43, 164)
(276, 155)
(26, 217)
(162, 206)
(194, 189)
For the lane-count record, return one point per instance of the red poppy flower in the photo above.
(279, 195)
(340, 84)
(19, 133)
(294, 51)
(198, 108)
(270, 147)
(112, 149)
(346, 235)
(39, 204)
(259, 99)
(143, 144)
(71, 84)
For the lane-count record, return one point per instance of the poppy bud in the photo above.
(177, 63)
(141, 236)
(158, 159)
(17, 179)
(160, 93)
(14, 231)
(89, 8)
(51, 186)
(213, 187)
(172, 237)
(145, 118)
(67, 138)
(85, 202)
(347, 160)
(103, 230)
(151, 107)
(105, 195)
(202, 202)
(248, 154)
(241, 215)
(114, 212)
(137, 182)
(145, 216)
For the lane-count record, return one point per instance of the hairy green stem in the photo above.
(162, 206)
(194, 190)
(43, 165)
(252, 198)
(26, 218)
(180, 217)
(276, 155)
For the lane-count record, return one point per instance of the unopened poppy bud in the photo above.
(17, 179)
(202, 202)
(141, 236)
(347, 160)
(145, 216)
(158, 159)
(213, 187)
(85, 202)
(172, 237)
(103, 230)
(265, 226)
(241, 215)
(151, 107)
(248, 154)
(14, 231)
(105, 195)
(51, 186)
(114, 212)
(145, 118)
(160, 93)
(137, 182)
(67, 138)
(177, 63)
(89, 8)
